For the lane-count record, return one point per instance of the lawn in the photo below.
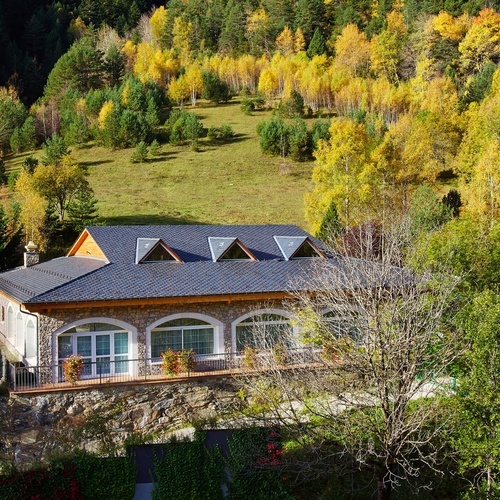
(232, 183)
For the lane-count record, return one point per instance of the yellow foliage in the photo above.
(130, 52)
(449, 27)
(482, 191)
(482, 41)
(352, 50)
(268, 83)
(255, 20)
(300, 41)
(178, 89)
(285, 41)
(33, 208)
(106, 109)
(157, 22)
(337, 174)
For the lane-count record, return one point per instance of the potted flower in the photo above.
(73, 368)
(171, 363)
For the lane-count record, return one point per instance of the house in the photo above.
(129, 293)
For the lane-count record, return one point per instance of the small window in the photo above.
(228, 249)
(3, 314)
(305, 251)
(154, 250)
(158, 254)
(297, 247)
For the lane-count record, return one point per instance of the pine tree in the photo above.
(83, 211)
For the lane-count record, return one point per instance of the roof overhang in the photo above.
(154, 301)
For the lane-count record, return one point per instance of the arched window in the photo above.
(183, 333)
(105, 348)
(31, 347)
(11, 327)
(262, 331)
(343, 326)
(20, 333)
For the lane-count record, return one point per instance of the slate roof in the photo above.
(84, 279)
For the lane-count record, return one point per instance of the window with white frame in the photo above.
(103, 347)
(262, 331)
(343, 326)
(183, 333)
(31, 347)
(20, 333)
(11, 326)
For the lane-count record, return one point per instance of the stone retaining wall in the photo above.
(34, 426)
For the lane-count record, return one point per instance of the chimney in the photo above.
(31, 256)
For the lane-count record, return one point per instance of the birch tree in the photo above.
(372, 400)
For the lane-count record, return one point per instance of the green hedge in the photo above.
(81, 477)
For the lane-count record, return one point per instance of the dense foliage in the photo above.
(85, 476)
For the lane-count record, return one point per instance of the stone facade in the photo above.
(34, 426)
(141, 318)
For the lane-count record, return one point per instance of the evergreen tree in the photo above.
(317, 45)
(83, 211)
(330, 227)
(299, 140)
(54, 150)
(214, 89)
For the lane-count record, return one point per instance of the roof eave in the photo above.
(42, 307)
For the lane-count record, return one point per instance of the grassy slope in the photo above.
(232, 183)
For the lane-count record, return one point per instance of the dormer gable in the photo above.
(154, 250)
(228, 249)
(297, 247)
(86, 246)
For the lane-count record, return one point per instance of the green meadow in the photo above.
(232, 183)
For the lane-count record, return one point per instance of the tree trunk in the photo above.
(384, 488)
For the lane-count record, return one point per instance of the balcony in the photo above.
(136, 371)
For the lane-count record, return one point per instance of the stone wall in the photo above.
(32, 427)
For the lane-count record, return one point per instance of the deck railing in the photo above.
(38, 378)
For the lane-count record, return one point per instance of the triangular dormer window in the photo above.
(154, 250)
(297, 247)
(228, 249)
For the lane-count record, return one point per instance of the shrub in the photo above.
(220, 134)
(274, 137)
(155, 148)
(140, 153)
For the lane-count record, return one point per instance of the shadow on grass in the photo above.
(153, 220)
(94, 163)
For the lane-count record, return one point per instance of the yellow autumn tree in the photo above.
(482, 41)
(482, 191)
(386, 48)
(268, 85)
(181, 35)
(337, 174)
(450, 27)
(299, 43)
(32, 210)
(158, 23)
(194, 81)
(178, 90)
(106, 110)
(352, 51)
(285, 42)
